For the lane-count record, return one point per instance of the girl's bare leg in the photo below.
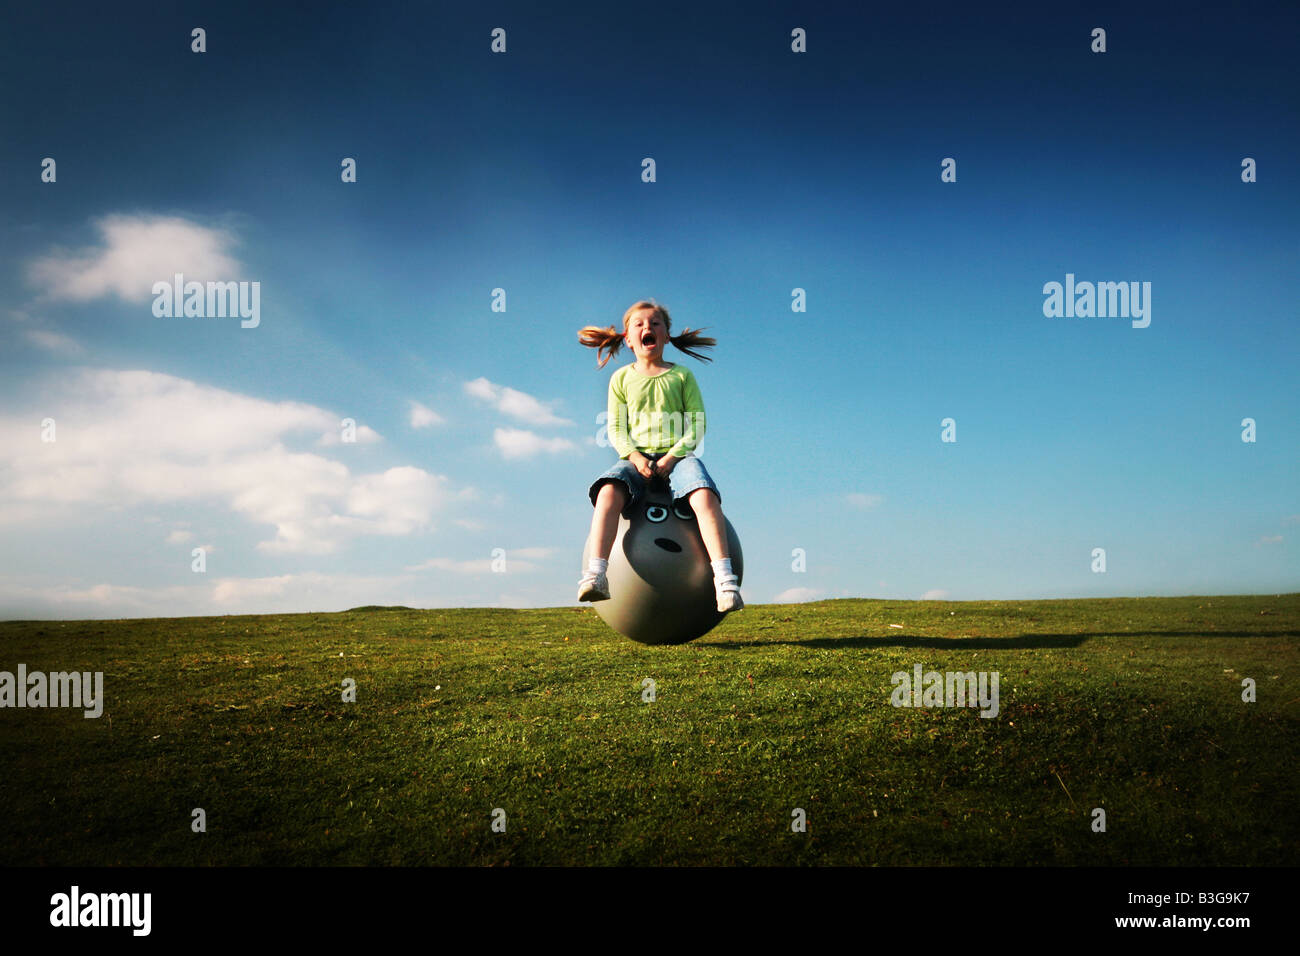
(708, 512)
(604, 522)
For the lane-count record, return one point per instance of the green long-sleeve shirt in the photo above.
(655, 413)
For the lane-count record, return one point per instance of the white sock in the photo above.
(722, 569)
(598, 565)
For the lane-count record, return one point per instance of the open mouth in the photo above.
(648, 340)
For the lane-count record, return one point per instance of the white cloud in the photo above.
(35, 333)
(468, 566)
(865, 502)
(798, 595)
(277, 594)
(231, 590)
(1269, 539)
(423, 416)
(519, 443)
(281, 594)
(179, 536)
(55, 342)
(935, 594)
(537, 553)
(135, 252)
(95, 601)
(142, 438)
(363, 435)
(516, 559)
(514, 403)
(399, 500)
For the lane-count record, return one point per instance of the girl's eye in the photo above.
(684, 512)
(656, 513)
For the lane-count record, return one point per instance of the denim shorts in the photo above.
(689, 474)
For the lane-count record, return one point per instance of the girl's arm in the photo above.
(618, 431)
(692, 418)
(617, 420)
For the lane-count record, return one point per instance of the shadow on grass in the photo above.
(1018, 642)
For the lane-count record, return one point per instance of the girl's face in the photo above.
(646, 334)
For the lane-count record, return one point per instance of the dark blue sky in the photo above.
(775, 171)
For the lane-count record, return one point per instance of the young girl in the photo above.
(646, 401)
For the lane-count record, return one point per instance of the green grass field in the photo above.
(1131, 705)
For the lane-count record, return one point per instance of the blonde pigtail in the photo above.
(692, 339)
(605, 340)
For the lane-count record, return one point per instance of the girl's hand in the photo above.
(642, 464)
(665, 465)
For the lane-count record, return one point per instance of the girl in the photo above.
(646, 399)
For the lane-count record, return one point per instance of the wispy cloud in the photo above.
(44, 337)
(422, 416)
(99, 600)
(520, 443)
(537, 553)
(862, 501)
(467, 566)
(513, 403)
(275, 594)
(133, 438)
(55, 342)
(798, 595)
(134, 252)
(516, 559)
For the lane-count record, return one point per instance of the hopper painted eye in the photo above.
(684, 512)
(656, 513)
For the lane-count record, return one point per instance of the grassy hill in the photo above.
(1129, 705)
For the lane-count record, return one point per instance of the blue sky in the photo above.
(522, 171)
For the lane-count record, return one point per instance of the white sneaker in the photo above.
(593, 587)
(728, 591)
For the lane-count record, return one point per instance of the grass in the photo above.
(1130, 705)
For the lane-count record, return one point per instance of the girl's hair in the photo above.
(609, 339)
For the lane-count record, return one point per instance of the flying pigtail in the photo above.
(692, 339)
(606, 340)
